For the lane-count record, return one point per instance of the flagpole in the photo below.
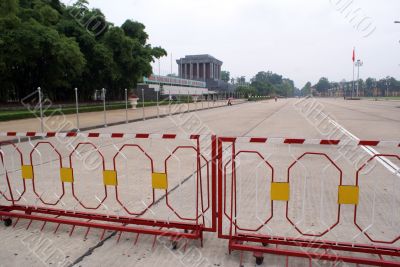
(352, 89)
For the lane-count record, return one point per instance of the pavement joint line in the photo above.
(389, 165)
(92, 249)
(362, 112)
(101, 243)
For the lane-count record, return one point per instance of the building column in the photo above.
(184, 70)
(198, 71)
(211, 70)
(215, 68)
(204, 71)
(190, 71)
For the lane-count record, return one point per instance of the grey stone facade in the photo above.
(203, 68)
(199, 67)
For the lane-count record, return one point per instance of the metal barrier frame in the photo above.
(193, 229)
(175, 230)
(270, 244)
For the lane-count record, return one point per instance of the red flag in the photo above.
(354, 54)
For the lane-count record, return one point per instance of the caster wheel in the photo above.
(259, 260)
(186, 231)
(7, 222)
(174, 245)
(265, 244)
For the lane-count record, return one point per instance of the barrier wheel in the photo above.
(186, 231)
(174, 245)
(265, 244)
(7, 222)
(259, 260)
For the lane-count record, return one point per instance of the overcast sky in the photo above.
(302, 40)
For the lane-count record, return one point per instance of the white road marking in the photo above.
(393, 168)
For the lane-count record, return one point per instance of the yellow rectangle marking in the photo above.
(280, 191)
(66, 175)
(27, 171)
(159, 180)
(110, 177)
(348, 194)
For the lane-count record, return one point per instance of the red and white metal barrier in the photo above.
(88, 180)
(277, 225)
(308, 200)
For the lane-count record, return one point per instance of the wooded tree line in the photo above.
(44, 43)
(369, 86)
(268, 84)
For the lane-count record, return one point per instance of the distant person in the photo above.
(229, 102)
(276, 99)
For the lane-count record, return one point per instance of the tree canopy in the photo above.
(225, 76)
(369, 87)
(269, 83)
(57, 47)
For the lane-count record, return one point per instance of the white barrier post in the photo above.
(188, 104)
(104, 107)
(77, 109)
(126, 105)
(202, 100)
(208, 100)
(213, 100)
(179, 104)
(197, 100)
(143, 104)
(41, 109)
(169, 102)
(158, 108)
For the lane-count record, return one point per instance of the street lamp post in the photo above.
(359, 64)
(104, 106)
(77, 109)
(387, 86)
(126, 105)
(144, 117)
(41, 109)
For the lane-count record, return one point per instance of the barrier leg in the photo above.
(7, 221)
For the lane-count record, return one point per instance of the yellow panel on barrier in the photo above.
(280, 191)
(27, 171)
(159, 180)
(348, 194)
(66, 175)
(110, 177)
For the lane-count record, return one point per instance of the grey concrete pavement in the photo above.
(285, 118)
(60, 122)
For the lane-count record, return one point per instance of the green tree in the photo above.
(57, 47)
(246, 90)
(225, 76)
(323, 85)
(306, 90)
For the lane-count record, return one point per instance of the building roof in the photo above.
(199, 58)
